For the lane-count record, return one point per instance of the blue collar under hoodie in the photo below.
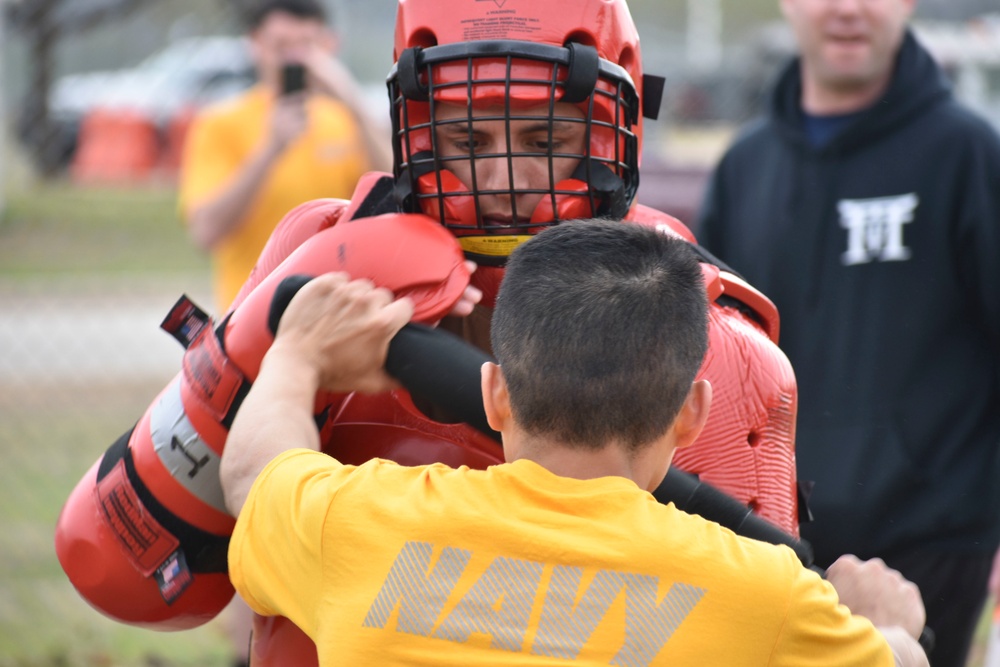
(917, 83)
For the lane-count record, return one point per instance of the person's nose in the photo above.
(848, 7)
(512, 172)
(496, 173)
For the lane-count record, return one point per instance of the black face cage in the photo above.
(612, 179)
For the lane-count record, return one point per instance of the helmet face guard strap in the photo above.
(584, 68)
(510, 79)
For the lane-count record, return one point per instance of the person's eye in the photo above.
(463, 144)
(540, 143)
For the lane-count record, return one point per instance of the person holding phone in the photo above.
(302, 133)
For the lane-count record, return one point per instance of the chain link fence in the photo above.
(94, 100)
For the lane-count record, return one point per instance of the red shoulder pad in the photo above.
(409, 254)
(666, 223)
(713, 281)
(764, 309)
(298, 226)
(366, 184)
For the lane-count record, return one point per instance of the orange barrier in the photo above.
(176, 133)
(115, 146)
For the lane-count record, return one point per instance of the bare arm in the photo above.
(219, 216)
(884, 597)
(334, 79)
(333, 336)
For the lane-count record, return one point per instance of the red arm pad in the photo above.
(298, 226)
(409, 254)
(302, 223)
(142, 543)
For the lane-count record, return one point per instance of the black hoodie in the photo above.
(882, 252)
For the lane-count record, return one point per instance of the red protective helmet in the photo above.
(498, 58)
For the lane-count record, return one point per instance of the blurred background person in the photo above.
(867, 206)
(249, 160)
(302, 133)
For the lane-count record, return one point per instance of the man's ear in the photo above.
(496, 400)
(694, 413)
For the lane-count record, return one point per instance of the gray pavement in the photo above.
(59, 336)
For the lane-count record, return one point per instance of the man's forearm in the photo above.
(336, 81)
(275, 416)
(377, 146)
(215, 219)
(334, 334)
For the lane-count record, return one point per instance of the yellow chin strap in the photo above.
(491, 246)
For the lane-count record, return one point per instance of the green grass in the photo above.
(63, 244)
(48, 445)
(59, 229)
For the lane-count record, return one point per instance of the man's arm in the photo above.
(333, 336)
(884, 597)
(334, 79)
(214, 219)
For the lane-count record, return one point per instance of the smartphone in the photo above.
(293, 78)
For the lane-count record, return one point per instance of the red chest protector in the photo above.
(389, 426)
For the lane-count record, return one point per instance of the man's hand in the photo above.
(334, 335)
(470, 297)
(330, 76)
(226, 211)
(289, 120)
(341, 329)
(881, 594)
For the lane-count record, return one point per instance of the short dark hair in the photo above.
(600, 328)
(303, 9)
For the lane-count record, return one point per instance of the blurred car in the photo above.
(189, 73)
(195, 71)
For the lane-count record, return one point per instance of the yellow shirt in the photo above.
(382, 564)
(326, 161)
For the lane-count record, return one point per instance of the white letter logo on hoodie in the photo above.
(875, 228)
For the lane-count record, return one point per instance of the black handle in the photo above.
(693, 496)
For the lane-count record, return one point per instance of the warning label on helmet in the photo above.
(499, 24)
(491, 246)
